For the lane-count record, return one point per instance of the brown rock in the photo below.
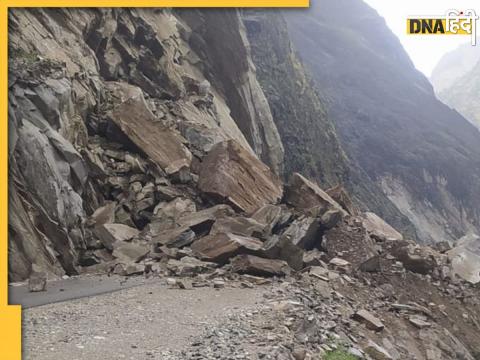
(163, 145)
(220, 247)
(305, 195)
(271, 216)
(369, 320)
(130, 252)
(340, 195)
(200, 222)
(239, 226)
(175, 238)
(108, 234)
(254, 265)
(232, 174)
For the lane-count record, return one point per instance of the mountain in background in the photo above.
(453, 66)
(425, 156)
(456, 80)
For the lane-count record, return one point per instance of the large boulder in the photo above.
(200, 221)
(222, 246)
(254, 265)
(133, 117)
(272, 216)
(416, 258)
(304, 232)
(232, 174)
(238, 225)
(465, 258)
(307, 196)
(280, 247)
(108, 234)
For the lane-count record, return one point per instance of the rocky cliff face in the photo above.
(421, 153)
(103, 100)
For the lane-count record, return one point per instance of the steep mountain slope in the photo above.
(463, 95)
(308, 134)
(425, 156)
(454, 65)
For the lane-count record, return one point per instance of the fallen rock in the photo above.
(330, 218)
(189, 266)
(175, 238)
(134, 269)
(280, 247)
(442, 247)
(340, 195)
(370, 321)
(412, 308)
(222, 246)
(313, 258)
(103, 215)
(109, 234)
(175, 208)
(419, 322)
(130, 252)
(351, 240)
(340, 264)
(319, 272)
(239, 226)
(271, 216)
(304, 232)
(465, 258)
(254, 265)
(184, 284)
(37, 282)
(376, 352)
(231, 174)
(200, 222)
(378, 228)
(132, 116)
(371, 265)
(305, 195)
(416, 259)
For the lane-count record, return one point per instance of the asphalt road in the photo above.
(73, 288)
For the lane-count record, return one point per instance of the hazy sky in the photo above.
(425, 51)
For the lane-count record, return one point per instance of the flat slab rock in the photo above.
(108, 234)
(254, 265)
(377, 227)
(370, 321)
(132, 115)
(222, 246)
(232, 174)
